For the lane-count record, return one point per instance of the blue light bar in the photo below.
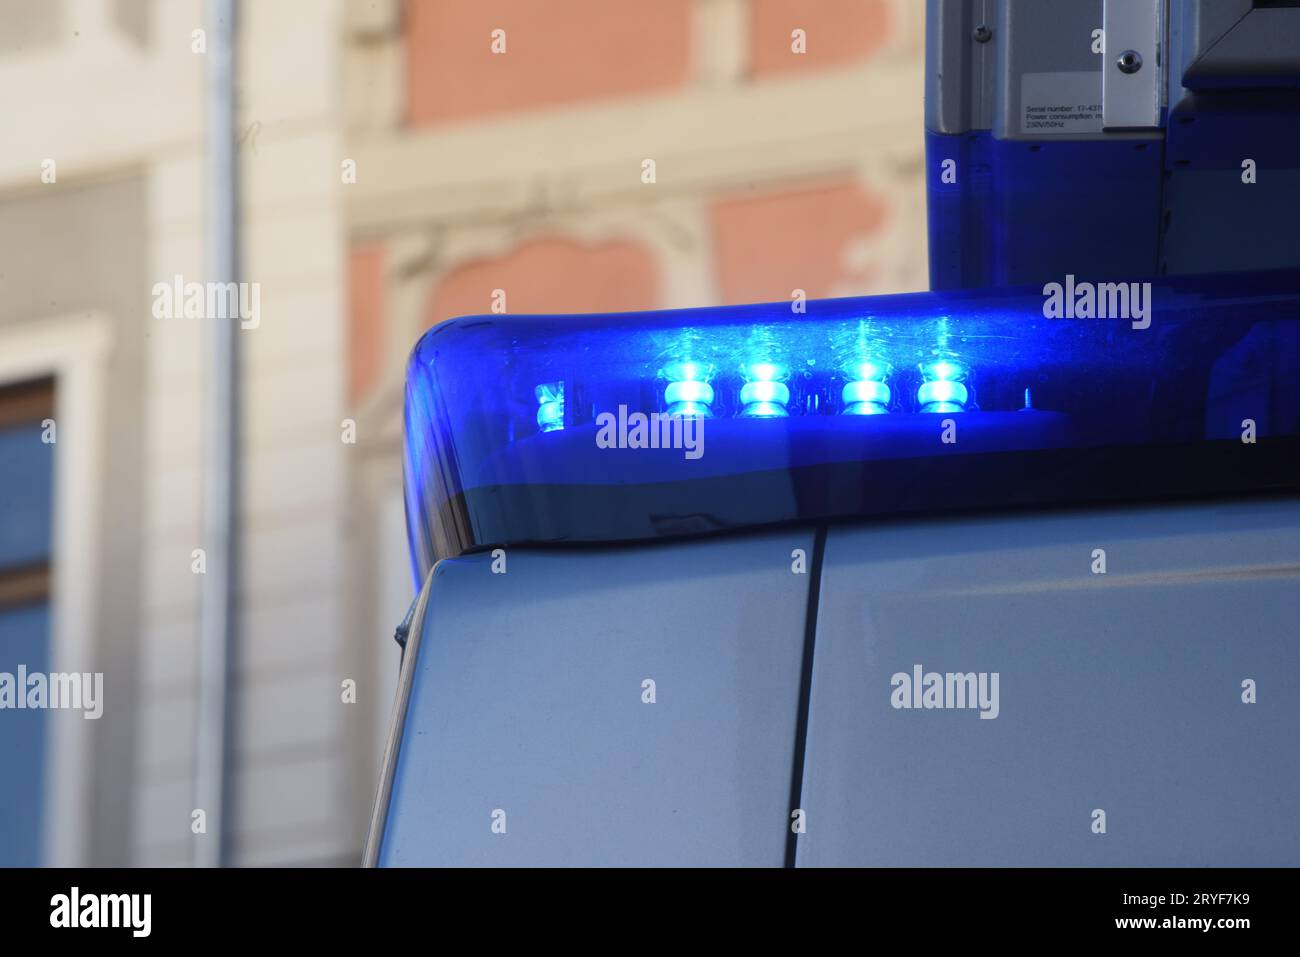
(559, 429)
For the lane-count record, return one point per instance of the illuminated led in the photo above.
(550, 406)
(859, 350)
(943, 388)
(942, 391)
(688, 371)
(765, 391)
(865, 397)
(866, 370)
(764, 394)
(688, 391)
(866, 392)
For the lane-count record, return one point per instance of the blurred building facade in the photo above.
(401, 163)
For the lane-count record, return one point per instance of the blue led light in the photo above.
(942, 387)
(765, 391)
(764, 394)
(865, 397)
(688, 391)
(764, 372)
(550, 406)
(859, 352)
(867, 370)
(866, 392)
(688, 370)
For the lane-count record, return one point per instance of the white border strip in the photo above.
(74, 350)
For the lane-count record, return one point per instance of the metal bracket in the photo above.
(1132, 64)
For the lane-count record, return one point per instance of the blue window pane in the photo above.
(26, 494)
(24, 640)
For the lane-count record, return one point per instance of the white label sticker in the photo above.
(1055, 103)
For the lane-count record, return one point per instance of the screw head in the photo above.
(1130, 61)
(983, 34)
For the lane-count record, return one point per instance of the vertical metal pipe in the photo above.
(220, 447)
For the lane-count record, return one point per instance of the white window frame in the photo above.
(74, 351)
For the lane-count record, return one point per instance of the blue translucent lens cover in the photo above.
(608, 428)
